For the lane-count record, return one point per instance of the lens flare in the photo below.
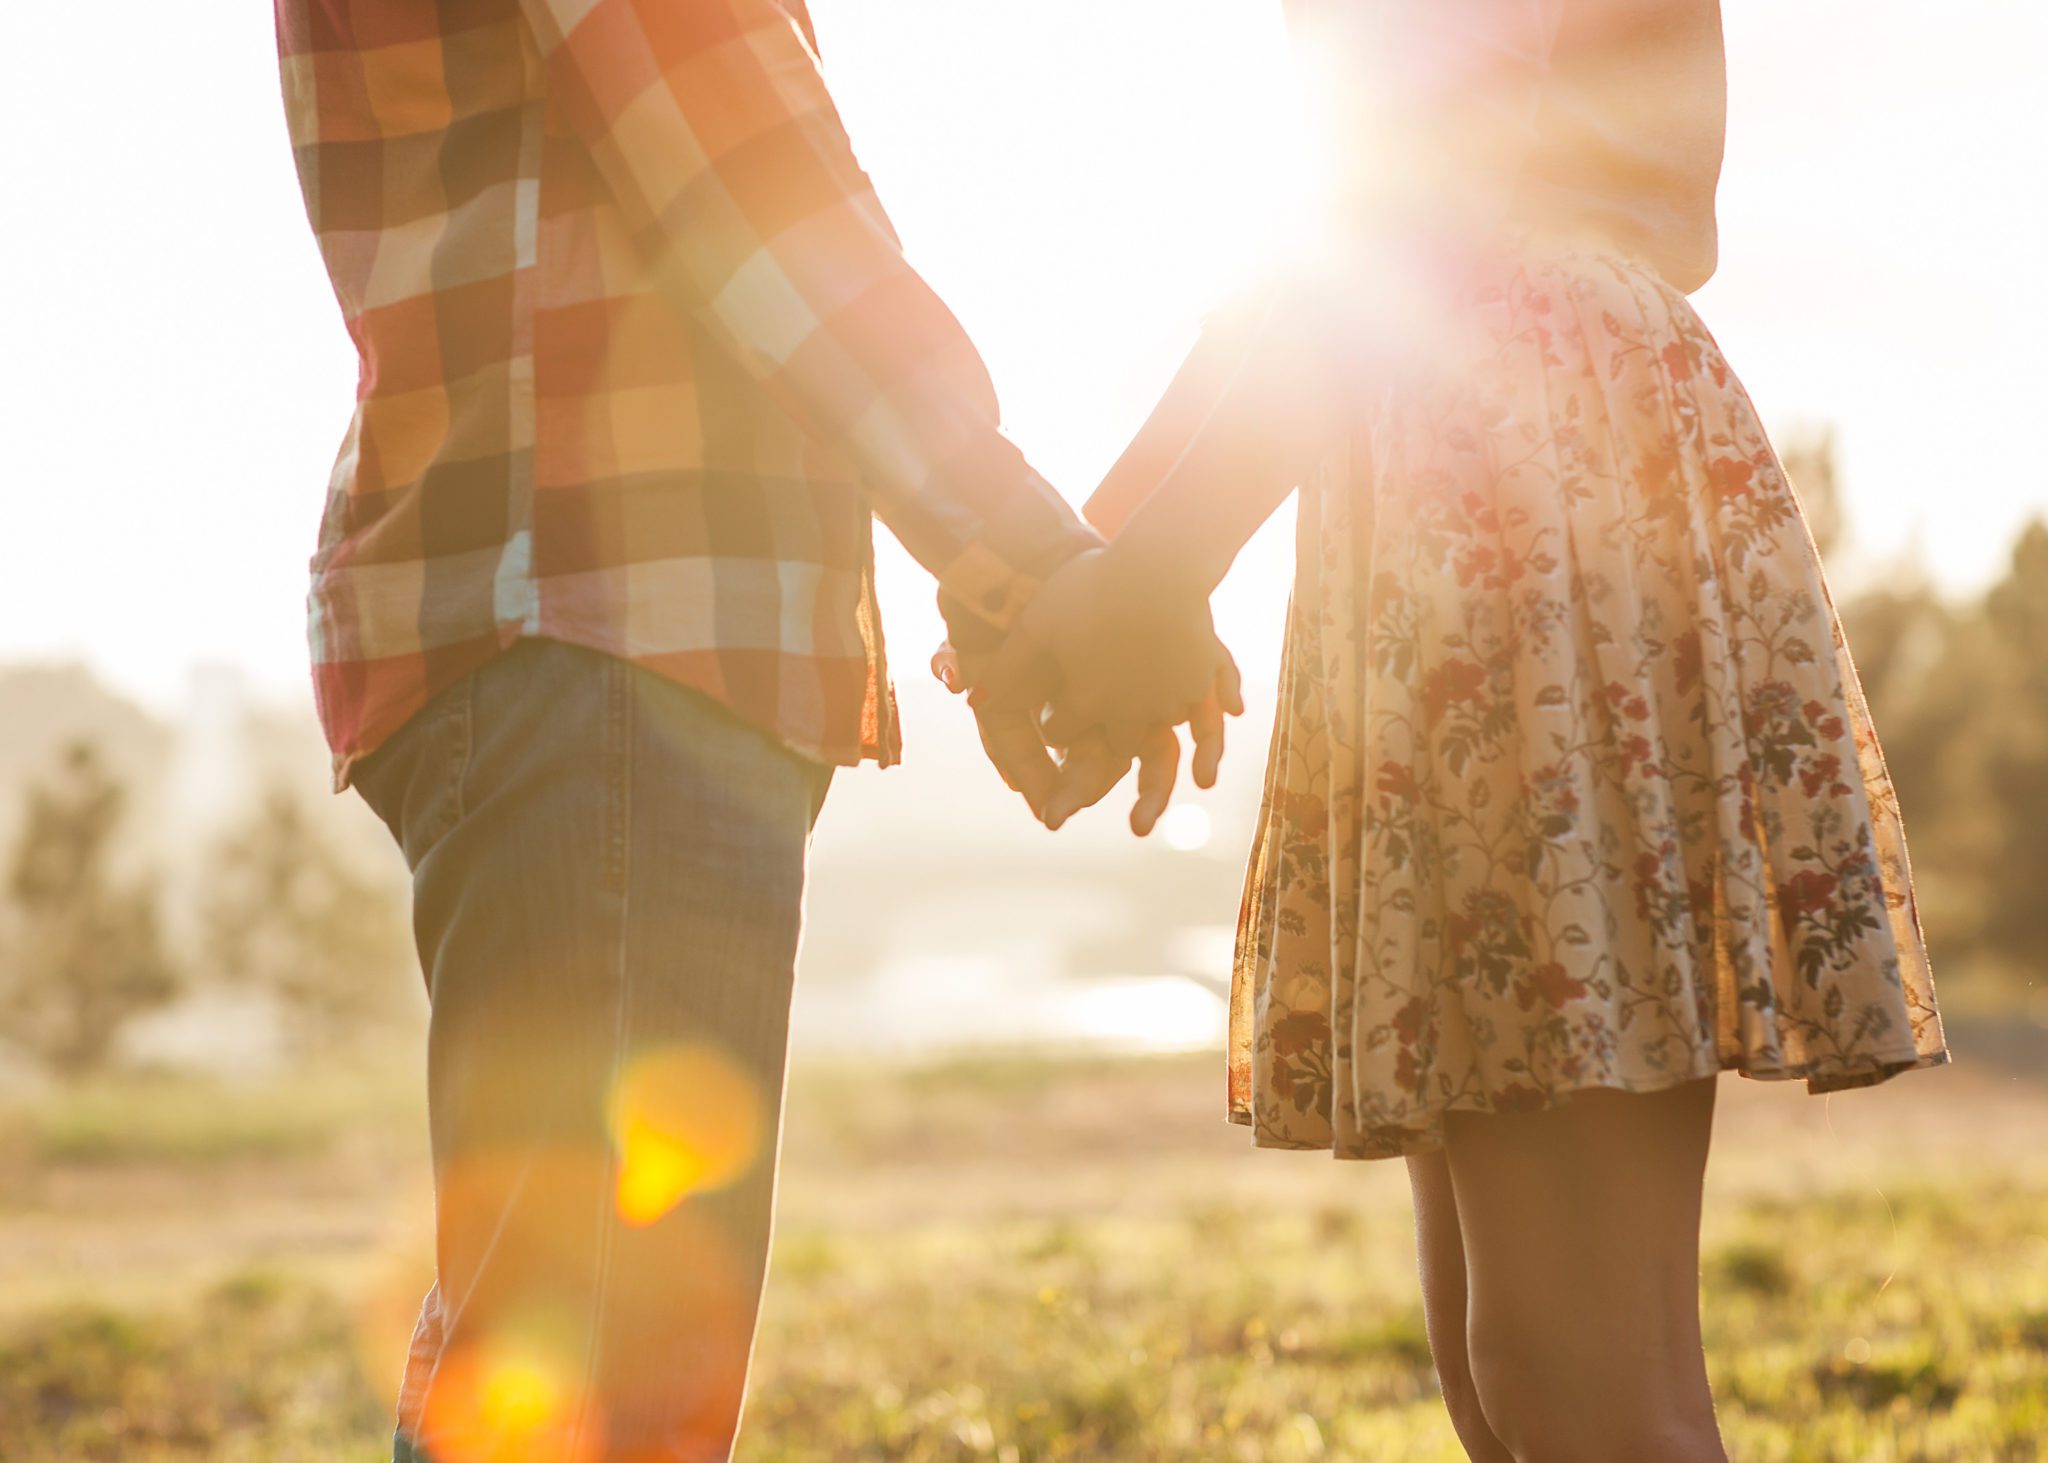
(1186, 827)
(506, 1401)
(519, 1396)
(685, 1120)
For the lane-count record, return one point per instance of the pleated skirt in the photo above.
(1572, 783)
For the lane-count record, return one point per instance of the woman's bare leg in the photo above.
(1581, 1266)
(1440, 1255)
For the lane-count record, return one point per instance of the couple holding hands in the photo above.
(1573, 800)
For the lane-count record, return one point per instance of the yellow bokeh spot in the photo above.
(519, 1396)
(685, 1120)
(654, 1176)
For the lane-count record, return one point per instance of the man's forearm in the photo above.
(715, 134)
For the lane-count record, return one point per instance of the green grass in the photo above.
(1184, 1321)
(1159, 1340)
(259, 1367)
(1120, 1340)
(176, 1120)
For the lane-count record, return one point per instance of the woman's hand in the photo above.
(1089, 769)
(1116, 640)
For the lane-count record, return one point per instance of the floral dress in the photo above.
(1572, 782)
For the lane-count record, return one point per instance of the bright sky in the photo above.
(1080, 178)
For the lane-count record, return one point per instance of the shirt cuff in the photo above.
(983, 591)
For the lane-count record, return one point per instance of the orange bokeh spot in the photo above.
(505, 1402)
(685, 1120)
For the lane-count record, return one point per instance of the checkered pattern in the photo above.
(639, 351)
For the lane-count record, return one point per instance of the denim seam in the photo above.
(459, 721)
(619, 716)
(465, 748)
(619, 711)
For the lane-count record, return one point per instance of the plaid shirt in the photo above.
(639, 351)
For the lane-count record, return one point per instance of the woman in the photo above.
(1574, 802)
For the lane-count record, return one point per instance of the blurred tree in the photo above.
(1959, 694)
(1960, 697)
(87, 955)
(2012, 725)
(286, 917)
(1923, 662)
(1809, 460)
(44, 708)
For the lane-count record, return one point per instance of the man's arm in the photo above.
(712, 126)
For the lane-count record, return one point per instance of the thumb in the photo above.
(1020, 673)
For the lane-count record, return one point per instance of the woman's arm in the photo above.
(1187, 401)
(1258, 401)
(1245, 415)
(1278, 407)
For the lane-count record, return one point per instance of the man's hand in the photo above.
(1015, 747)
(1089, 770)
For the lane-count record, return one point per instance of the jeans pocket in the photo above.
(414, 781)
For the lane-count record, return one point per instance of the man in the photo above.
(592, 618)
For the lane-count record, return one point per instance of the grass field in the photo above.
(1018, 1260)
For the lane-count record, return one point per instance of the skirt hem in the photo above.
(1427, 1136)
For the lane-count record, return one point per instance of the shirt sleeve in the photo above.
(711, 124)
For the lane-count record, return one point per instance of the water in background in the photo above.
(940, 915)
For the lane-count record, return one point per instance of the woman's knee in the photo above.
(1467, 1412)
(1515, 1390)
(1549, 1401)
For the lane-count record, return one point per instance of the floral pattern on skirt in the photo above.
(1572, 782)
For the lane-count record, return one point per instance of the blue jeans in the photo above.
(608, 876)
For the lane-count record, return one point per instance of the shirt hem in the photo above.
(885, 753)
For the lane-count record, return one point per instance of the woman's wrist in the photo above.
(1158, 564)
